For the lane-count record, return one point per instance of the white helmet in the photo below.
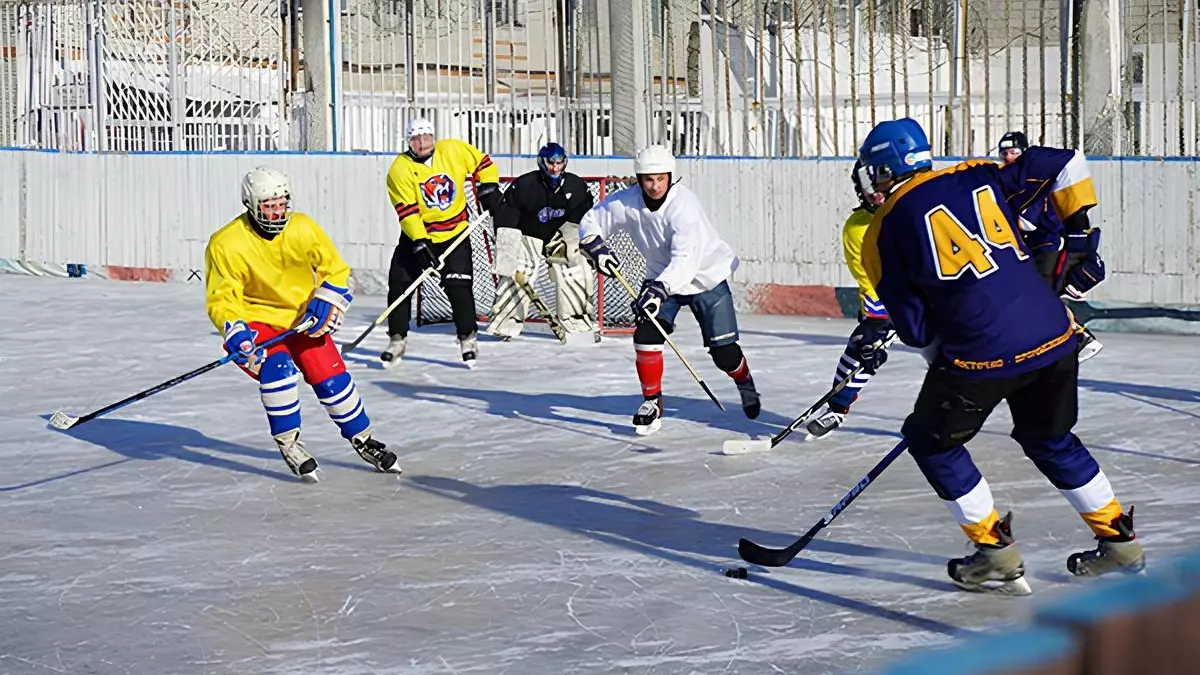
(260, 185)
(654, 159)
(418, 126)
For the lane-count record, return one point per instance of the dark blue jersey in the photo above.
(949, 264)
(1039, 224)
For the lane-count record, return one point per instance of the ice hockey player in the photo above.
(945, 257)
(687, 263)
(540, 218)
(259, 275)
(1066, 258)
(874, 326)
(427, 185)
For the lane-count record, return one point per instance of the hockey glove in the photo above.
(426, 259)
(490, 198)
(654, 294)
(601, 256)
(239, 341)
(328, 306)
(1083, 276)
(870, 342)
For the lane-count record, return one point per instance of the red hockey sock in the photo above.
(650, 368)
(741, 373)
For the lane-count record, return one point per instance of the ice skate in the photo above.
(1122, 553)
(751, 401)
(993, 568)
(829, 420)
(470, 347)
(394, 352)
(1088, 346)
(375, 453)
(298, 460)
(648, 418)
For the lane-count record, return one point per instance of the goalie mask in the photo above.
(267, 195)
(552, 160)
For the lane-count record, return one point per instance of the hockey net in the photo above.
(614, 311)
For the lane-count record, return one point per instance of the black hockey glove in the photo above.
(490, 198)
(870, 339)
(601, 256)
(1084, 275)
(426, 259)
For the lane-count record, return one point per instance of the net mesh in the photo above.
(614, 312)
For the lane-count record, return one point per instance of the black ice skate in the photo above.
(648, 418)
(993, 568)
(833, 417)
(1122, 553)
(298, 460)
(751, 401)
(394, 352)
(1087, 345)
(470, 347)
(375, 453)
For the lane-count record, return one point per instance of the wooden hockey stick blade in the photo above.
(746, 446)
(61, 420)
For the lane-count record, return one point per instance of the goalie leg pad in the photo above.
(509, 309)
(341, 400)
(277, 387)
(573, 289)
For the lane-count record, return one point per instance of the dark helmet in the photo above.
(862, 184)
(1014, 139)
(550, 152)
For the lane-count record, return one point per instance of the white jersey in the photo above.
(681, 247)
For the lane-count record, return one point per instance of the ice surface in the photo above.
(532, 532)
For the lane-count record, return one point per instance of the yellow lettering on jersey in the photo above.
(994, 224)
(955, 248)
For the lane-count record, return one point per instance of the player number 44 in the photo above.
(957, 249)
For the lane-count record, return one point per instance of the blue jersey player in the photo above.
(1064, 255)
(959, 282)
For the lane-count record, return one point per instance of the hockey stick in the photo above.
(742, 447)
(560, 331)
(62, 420)
(756, 554)
(466, 234)
(633, 294)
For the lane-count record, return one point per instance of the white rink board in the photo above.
(783, 217)
(531, 532)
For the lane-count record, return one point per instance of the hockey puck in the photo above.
(736, 572)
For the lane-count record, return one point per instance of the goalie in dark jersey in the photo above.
(957, 280)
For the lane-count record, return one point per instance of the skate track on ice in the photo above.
(532, 532)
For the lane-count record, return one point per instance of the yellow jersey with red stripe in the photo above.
(430, 196)
(250, 278)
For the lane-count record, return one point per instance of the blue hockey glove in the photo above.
(654, 293)
(870, 339)
(600, 256)
(239, 341)
(328, 306)
(1083, 276)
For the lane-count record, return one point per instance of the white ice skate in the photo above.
(298, 460)
(470, 349)
(648, 418)
(1088, 345)
(394, 352)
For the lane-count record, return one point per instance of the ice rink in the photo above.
(532, 533)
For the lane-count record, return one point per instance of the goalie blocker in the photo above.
(538, 220)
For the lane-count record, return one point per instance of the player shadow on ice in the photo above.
(549, 406)
(678, 535)
(1136, 391)
(153, 441)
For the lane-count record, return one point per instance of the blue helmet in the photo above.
(895, 149)
(551, 152)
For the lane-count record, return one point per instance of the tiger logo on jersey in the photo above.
(438, 191)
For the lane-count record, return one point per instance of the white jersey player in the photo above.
(687, 263)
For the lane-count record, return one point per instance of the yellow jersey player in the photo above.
(874, 326)
(427, 186)
(260, 270)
